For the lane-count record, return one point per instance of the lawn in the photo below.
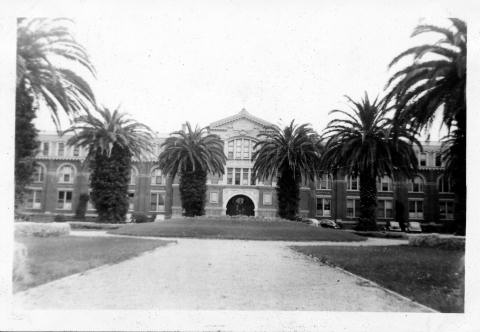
(237, 229)
(55, 257)
(433, 277)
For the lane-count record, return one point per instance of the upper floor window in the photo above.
(157, 177)
(353, 183)
(240, 176)
(39, 173)
(45, 148)
(66, 174)
(438, 159)
(61, 149)
(384, 184)
(416, 185)
(422, 159)
(240, 148)
(444, 185)
(76, 151)
(133, 175)
(325, 182)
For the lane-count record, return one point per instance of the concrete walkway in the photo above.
(216, 275)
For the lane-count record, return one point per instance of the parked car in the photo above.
(413, 227)
(393, 226)
(329, 223)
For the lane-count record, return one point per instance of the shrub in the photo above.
(60, 218)
(41, 229)
(20, 267)
(435, 241)
(385, 235)
(142, 218)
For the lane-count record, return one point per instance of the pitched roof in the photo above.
(243, 114)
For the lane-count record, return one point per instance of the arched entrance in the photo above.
(240, 205)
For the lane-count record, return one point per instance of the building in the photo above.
(61, 177)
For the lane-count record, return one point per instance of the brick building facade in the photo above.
(61, 177)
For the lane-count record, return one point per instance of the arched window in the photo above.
(133, 176)
(325, 182)
(157, 177)
(416, 185)
(240, 148)
(39, 173)
(384, 184)
(66, 174)
(444, 185)
(353, 183)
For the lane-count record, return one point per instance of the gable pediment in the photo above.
(242, 122)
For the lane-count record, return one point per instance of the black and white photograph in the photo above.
(240, 165)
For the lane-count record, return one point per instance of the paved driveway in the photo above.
(216, 275)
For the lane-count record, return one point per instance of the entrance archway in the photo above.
(240, 205)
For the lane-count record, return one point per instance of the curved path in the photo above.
(214, 275)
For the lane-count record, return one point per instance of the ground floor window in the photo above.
(157, 201)
(214, 197)
(34, 199)
(446, 209)
(384, 208)
(267, 198)
(64, 201)
(324, 206)
(131, 201)
(353, 207)
(415, 209)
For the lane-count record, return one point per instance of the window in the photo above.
(323, 206)
(66, 174)
(61, 149)
(133, 176)
(416, 185)
(384, 208)
(64, 201)
(267, 198)
(438, 159)
(214, 179)
(157, 201)
(240, 148)
(353, 207)
(240, 176)
(131, 201)
(33, 200)
(446, 209)
(353, 183)
(384, 184)
(415, 209)
(444, 185)
(214, 197)
(38, 174)
(45, 148)
(90, 206)
(422, 159)
(157, 178)
(325, 182)
(76, 151)
(238, 172)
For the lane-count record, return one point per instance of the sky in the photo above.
(170, 62)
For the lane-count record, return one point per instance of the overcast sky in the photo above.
(178, 61)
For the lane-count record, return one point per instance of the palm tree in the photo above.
(194, 154)
(293, 154)
(48, 62)
(112, 140)
(369, 145)
(435, 83)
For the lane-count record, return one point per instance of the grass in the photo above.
(433, 277)
(56, 257)
(237, 229)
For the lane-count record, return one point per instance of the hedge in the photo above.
(41, 229)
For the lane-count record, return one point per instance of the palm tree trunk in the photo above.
(368, 203)
(288, 194)
(193, 189)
